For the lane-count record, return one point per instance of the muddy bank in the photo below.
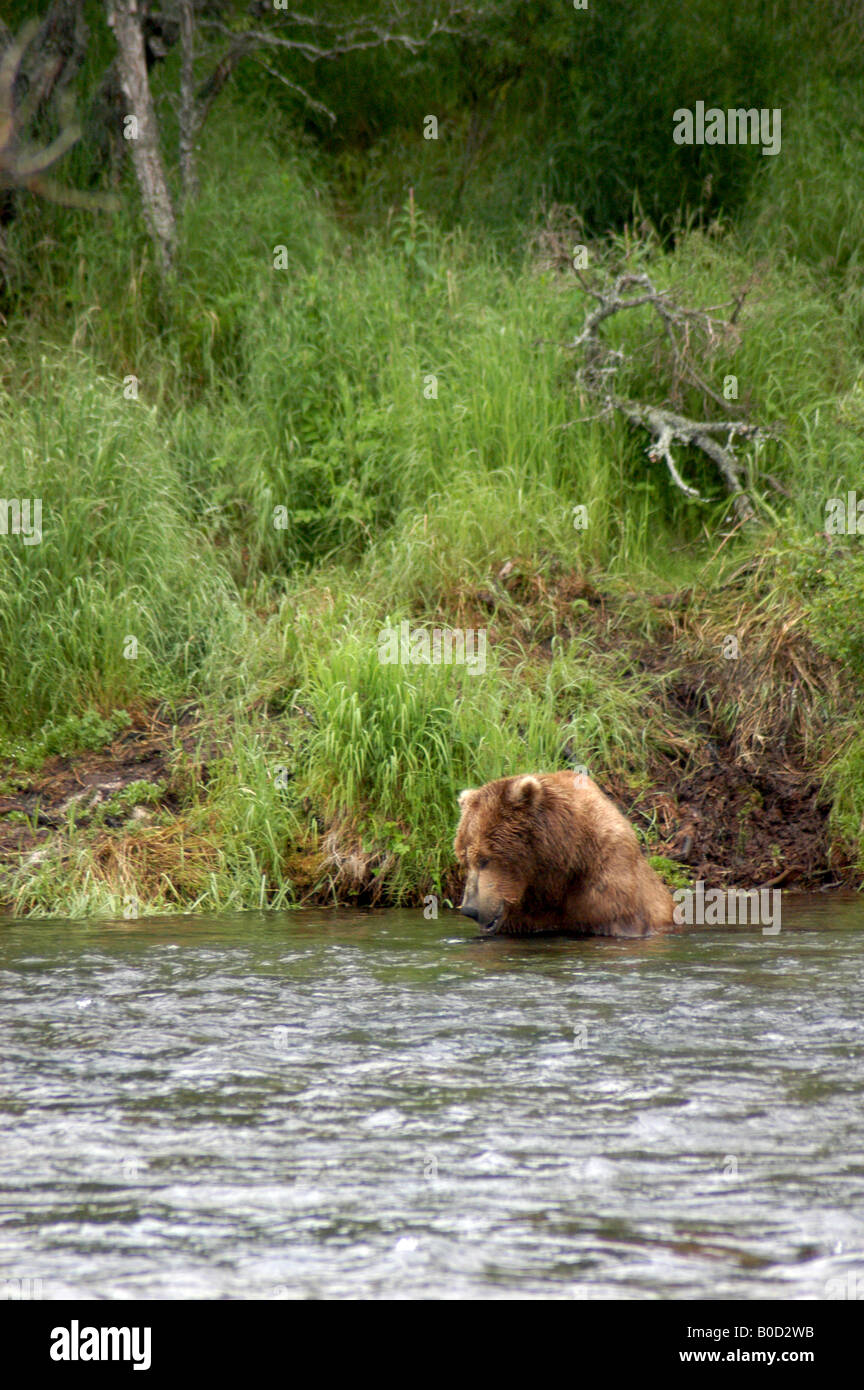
(719, 821)
(124, 803)
(732, 790)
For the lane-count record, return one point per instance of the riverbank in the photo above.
(245, 485)
(153, 819)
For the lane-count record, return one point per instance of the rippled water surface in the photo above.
(348, 1105)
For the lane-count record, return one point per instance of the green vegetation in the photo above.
(387, 430)
(73, 734)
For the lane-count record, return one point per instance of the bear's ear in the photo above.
(524, 791)
(466, 797)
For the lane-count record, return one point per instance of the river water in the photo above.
(336, 1104)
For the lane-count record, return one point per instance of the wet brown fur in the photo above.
(552, 853)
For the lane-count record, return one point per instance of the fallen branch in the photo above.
(666, 428)
(601, 363)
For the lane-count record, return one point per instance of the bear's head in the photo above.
(508, 841)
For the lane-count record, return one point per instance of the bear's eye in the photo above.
(482, 862)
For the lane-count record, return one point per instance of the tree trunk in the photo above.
(188, 111)
(144, 131)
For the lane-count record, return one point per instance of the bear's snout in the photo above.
(479, 906)
(472, 904)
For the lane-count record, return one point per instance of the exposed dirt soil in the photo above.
(738, 808)
(79, 785)
(732, 827)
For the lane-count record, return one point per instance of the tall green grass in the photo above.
(310, 390)
(123, 598)
(383, 749)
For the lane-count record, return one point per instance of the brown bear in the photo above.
(551, 853)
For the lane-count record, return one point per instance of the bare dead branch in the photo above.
(209, 90)
(300, 91)
(54, 192)
(23, 165)
(37, 161)
(367, 34)
(601, 364)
